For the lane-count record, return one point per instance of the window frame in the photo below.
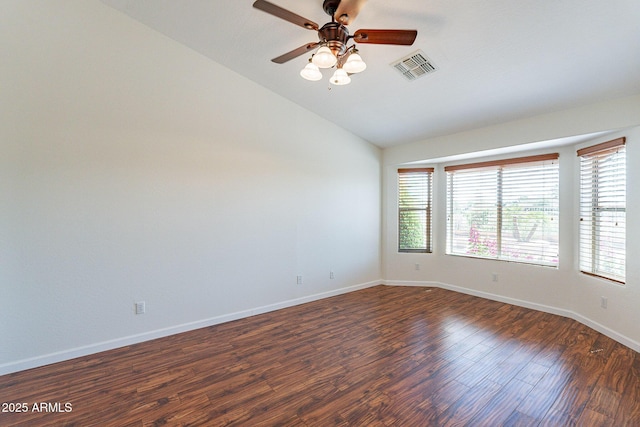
(590, 178)
(498, 166)
(428, 208)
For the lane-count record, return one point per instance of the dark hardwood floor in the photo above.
(383, 356)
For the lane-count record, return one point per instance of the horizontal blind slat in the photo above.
(603, 210)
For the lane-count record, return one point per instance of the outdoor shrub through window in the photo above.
(505, 210)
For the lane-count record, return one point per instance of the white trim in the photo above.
(60, 356)
(622, 339)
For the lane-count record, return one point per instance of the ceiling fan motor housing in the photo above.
(330, 6)
(335, 36)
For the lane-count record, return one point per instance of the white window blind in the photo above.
(603, 210)
(505, 210)
(415, 194)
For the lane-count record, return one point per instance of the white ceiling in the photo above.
(499, 60)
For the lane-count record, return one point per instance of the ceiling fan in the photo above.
(333, 38)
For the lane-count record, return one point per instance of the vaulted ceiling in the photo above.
(497, 60)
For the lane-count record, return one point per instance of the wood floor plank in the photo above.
(470, 404)
(445, 396)
(532, 373)
(616, 373)
(498, 410)
(546, 392)
(383, 356)
(518, 419)
(629, 409)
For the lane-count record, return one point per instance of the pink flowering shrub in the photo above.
(479, 246)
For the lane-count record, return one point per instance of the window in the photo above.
(415, 188)
(505, 210)
(603, 209)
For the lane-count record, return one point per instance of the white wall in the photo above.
(133, 168)
(563, 290)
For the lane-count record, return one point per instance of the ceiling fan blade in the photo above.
(348, 10)
(274, 10)
(401, 37)
(295, 53)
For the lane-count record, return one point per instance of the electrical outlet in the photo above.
(417, 266)
(494, 277)
(140, 307)
(331, 275)
(299, 280)
(604, 301)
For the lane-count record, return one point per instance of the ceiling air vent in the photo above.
(414, 65)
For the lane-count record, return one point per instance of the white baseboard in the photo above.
(73, 353)
(622, 339)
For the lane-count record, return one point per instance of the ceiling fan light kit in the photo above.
(354, 64)
(324, 58)
(340, 77)
(332, 47)
(311, 72)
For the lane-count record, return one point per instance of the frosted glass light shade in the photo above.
(354, 64)
(340, 77)
(324, 58)
(311, 72)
